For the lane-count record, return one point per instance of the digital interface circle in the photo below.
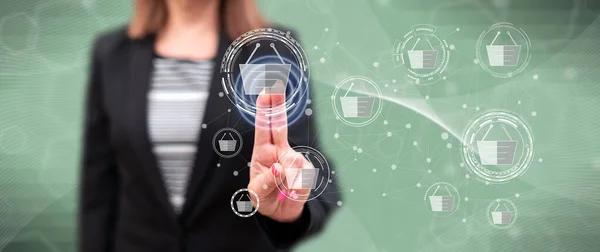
(423, 53)
(227, 142)
(498, 146)
(239, 205)
(353, 101)
(442, 199)
(503, 50)
(316, 179)
(502, 213)
(271, 61)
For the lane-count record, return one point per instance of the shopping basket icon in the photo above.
(356, 107)
(501, 217)
(272, 78)
(497, 152)
(227, 145)
(422, 59)
(244, 206)
(503, 55)
(301, 178)
(441, 203)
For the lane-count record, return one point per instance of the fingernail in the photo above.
(294, 194)
(274, 170)
(281, 196)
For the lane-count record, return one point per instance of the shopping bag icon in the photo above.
(441, 203)
(356, 107)
(501, 217)
(272, 78)
(227, 145)
(497, 152)
(244, 206)
(422, 59)
(503, 55)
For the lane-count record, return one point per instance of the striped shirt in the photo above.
(177, 100)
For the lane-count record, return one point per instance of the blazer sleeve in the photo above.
(317, 211)
(98, 176)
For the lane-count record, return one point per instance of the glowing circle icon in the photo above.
(357, 101)
(423, 53)
(269, 61)
(502, 213)
(497, 146)
(503, 50)
(442, 199)
(242, 204)
(306, 171)
(227, 142)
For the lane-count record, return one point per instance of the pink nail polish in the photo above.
(281, 196)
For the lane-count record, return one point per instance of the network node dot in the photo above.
(445, 135)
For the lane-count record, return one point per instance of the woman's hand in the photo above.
(271, 155)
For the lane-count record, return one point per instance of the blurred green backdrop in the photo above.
(44, 47)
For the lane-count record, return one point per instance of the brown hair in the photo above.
(240, 16)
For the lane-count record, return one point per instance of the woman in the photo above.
(150, 178)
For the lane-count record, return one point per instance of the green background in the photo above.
(44, 46)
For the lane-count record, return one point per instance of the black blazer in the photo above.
(123, 203)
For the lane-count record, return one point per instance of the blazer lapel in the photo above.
(141, 68)
(215, 107)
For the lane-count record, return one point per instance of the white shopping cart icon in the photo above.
(227, 145)
(244, 206)
(503, 55)
(501, 217)
(497, 152)
(441, 203)
(422, 59)
(272, 78)
(355, 106)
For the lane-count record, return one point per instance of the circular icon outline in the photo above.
(348, 80)
(485, 66)
(238, 147)
(255, 208)
(324, 166)
(469, 154)
(513, 219)
(399, 51)
(228, 80)
(456, 201)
